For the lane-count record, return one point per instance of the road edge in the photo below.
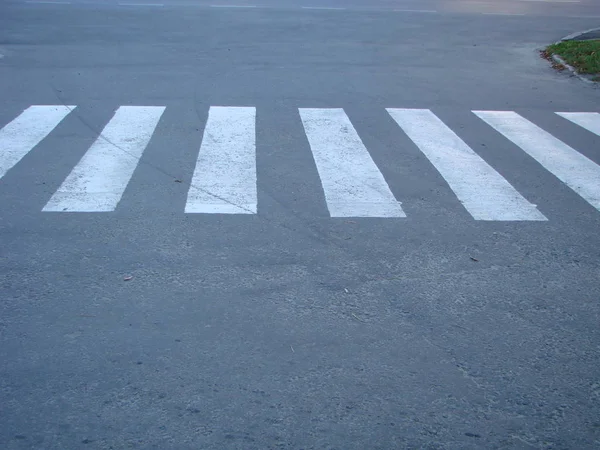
(559, 60)
(574, 36)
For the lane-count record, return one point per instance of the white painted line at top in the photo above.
(44, 2)
(99, 179)
(232, 6)
(142, 4)
(21, 135)
(416, 10)
(503, 14)
(485, 193)
(571, 167)
(330, 8)
(589, 121)
(553, 1)
(224, 179)
(352, 183)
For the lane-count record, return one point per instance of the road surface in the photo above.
(297, 224)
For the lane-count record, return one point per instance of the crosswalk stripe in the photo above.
(224, 179)
(98, 181)
(353, 185)
(568, 165)
(589, 121)
(21, 135)
(484, 192)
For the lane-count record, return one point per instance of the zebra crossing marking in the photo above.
(483, 191)
(578, 172)
(224, 179)
(589, 121)
(26, 131)
(99, 179)
(353, 185)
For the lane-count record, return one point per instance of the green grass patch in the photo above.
(583, 55)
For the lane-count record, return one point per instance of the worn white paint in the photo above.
(224, 179)
(98, 181)
(588, 120)
(416, 10)
(553, 1)
(326, 8)
(21, 135)
(568, 165)
(483, 191)
(353, 185)
(158, 5)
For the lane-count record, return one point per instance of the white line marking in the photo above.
(232, 6)
(41, 2)
(26, 131)
(484, 192)
(142, 4)
(568, 165)
(553, 1)
(323, 7)
(353, 185)
(224, 179)
(589, 121)
(416, 10)
(502, 14)
(98, 181)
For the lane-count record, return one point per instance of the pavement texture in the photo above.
(289, 328)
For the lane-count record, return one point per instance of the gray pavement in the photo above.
(290, 328)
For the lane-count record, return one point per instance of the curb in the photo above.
(574, 36)
(570, 68)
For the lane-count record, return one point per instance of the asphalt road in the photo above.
(296, 322)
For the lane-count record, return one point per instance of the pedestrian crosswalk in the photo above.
(224, 178)
(98, 181)
(483, 191)
(26, 131)
(568, 165)
(353, 185)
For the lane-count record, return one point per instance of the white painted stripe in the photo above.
(553, 1)
(330, 8)
(98, 181)
(40, 2)
(589, 121)
(416, 10)
(224, 179)
(142, 4)
(232, 6)
(21, 135)
(568, 165)
(502, 14)
(353, 185)
(483, 191)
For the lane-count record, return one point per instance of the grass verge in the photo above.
(582, 55)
